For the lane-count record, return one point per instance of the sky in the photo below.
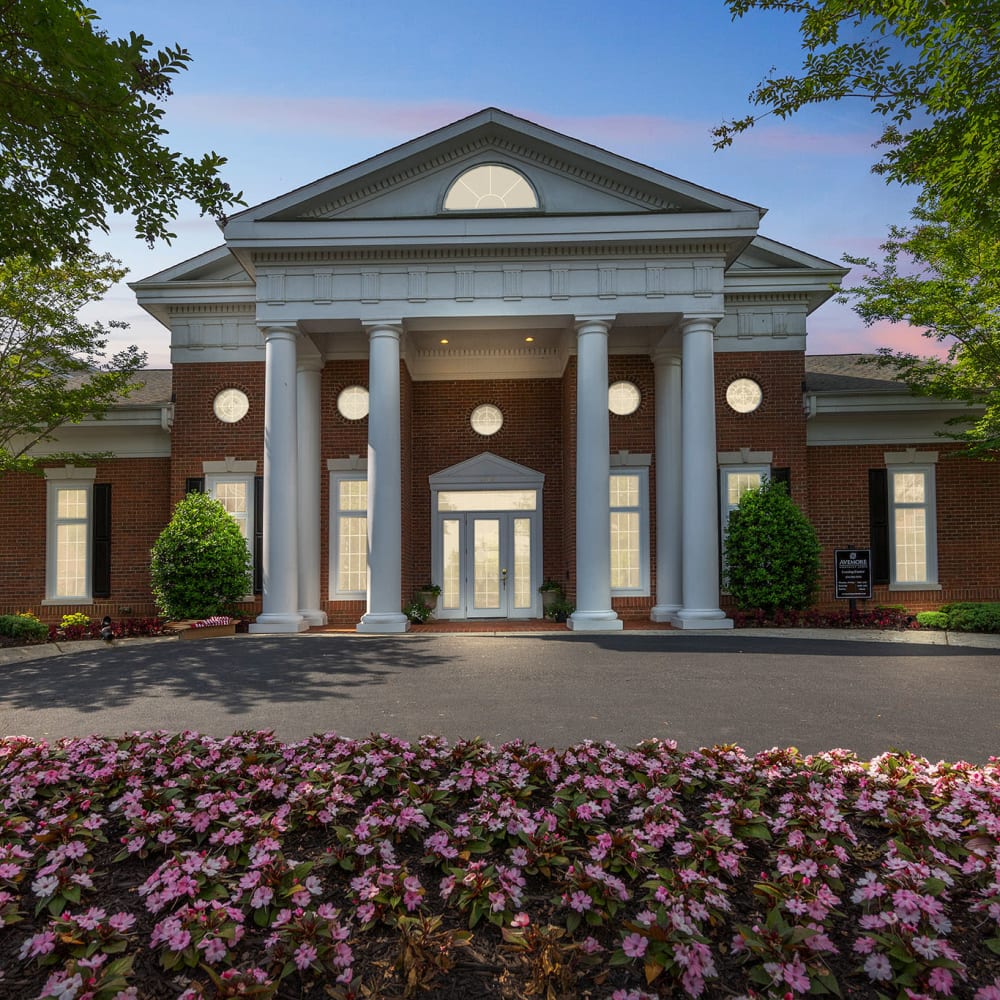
(294, 90)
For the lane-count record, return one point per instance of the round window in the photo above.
(486, 419)
(744, 395)
(231, 405)
(623, 398)
(352, 403)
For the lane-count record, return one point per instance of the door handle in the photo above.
(503, 576)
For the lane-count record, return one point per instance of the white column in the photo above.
(385, 549)
(281, 585)
(593, 507)
(308, 377)
(668, 487)
(700, 489)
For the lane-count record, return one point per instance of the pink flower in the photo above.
(878, 968)
(991, 992)
(40, 944)
(305, 955)
(635, 945)
(214, 949)
(941, 980)
(520, 920)
(581, 901)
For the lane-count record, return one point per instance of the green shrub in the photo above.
(200, 564)
(966, 616)
(932, 619)
(772, 552)
(417, 612)
(23, 627)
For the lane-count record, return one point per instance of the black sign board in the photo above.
(852, 571)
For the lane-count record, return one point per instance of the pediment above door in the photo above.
(487, 469)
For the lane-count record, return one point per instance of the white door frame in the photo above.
(485, 472)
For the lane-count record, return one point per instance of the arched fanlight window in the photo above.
(490, 188)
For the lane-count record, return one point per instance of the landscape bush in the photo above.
(966, 616)
(200, 564)
(24, 627)
(771, 552)
(932, 619)
(891, 617)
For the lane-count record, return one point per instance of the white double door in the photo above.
(487, 558)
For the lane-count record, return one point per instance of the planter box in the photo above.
(187, 631)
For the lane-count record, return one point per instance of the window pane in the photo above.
(486, 563)
(908, 487)
(911, 544)
(72, 504)
(353, 494)
(233, 496)
(737, 483)
(522, 562)
(71, 559)
(624, 550)
(451, 560)
(487, 500)
(352, 557)
(624, 491)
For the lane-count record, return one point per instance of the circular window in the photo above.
(744, 395)
(352, 403)
(623, 398)
(486, 419)
(231, 405)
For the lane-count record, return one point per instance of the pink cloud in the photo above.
(367, 118)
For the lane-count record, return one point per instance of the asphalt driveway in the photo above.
(756, 690)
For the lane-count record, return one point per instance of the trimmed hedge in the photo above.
(967, 616)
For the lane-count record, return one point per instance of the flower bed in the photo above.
(158, 865)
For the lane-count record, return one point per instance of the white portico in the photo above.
(488, 254)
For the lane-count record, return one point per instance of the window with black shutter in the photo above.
(100, 582)
(878, 514)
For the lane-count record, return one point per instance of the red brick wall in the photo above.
(778, 424)
(140, 507)
(198, 435)
(531, 435)
(968, 511)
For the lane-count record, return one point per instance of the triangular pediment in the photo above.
(489, 471)
(216, 265)
(764, 254)
(571, 178)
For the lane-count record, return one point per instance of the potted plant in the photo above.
(417, 612)
(560, 611)
(551, 593)
(200, 567)
(428, 594)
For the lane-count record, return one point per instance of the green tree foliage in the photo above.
(81, 133)
(52, 365)
(772, 552)
(930, 70)
(200, 563)
(944, 277)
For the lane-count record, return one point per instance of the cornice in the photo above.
(214, 309)
(267, 257)
(765, 298)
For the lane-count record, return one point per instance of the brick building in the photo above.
(492, 356)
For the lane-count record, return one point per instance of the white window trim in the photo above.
(627, 464)
(354, 469)
(924, 462)
(67, 477)
(232, 470)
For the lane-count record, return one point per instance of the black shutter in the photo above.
(100, 577)
(258, 534)
(783, 476)
(194, 484)
(878, 514)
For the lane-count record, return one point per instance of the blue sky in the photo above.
(293, 91)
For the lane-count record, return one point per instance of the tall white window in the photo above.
(348, 535)
(629, 501)
(736, 476)
(912, 523)
(69, 529)
(231, 483)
